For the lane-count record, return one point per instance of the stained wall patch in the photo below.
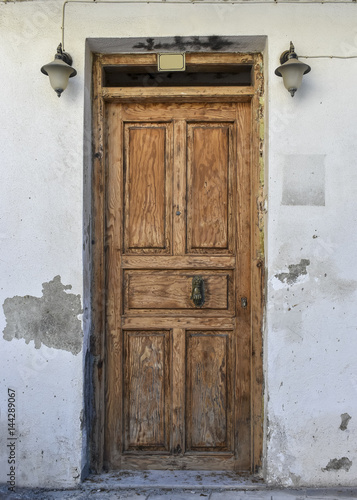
(51, 320)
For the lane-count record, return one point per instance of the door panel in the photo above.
(178, 197)
(146, 390)
(209, 391)
(151, 291)
(209, 206)
(147, 170)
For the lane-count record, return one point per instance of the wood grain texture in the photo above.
(209, 392)
(208, 163)
(146, 390)
(113, 247)
(190, 461)
(204, 197)
(191, 58)
(178, 262)
(178, 94)
(174, 110)
(258, 213)
(178, 363)
(205, 322)
(159, 290)
(243, 249)
(98, 285)
(179, 188)
(147, 206)
(180, 113)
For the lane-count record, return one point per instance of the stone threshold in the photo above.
(174, 480)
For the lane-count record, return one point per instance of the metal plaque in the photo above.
(171, 62)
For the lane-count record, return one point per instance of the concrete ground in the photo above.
(176, 485)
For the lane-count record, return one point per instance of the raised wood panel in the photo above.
(147, 201)
(209, 391)
(171, 290)
(195, 461)
(177, 262)
(209, 193)
(146, 390)
(203, 111)
(205, 321)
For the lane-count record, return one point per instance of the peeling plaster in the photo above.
(295, 270)
(50, 320)
(345, 418)
(338, 464)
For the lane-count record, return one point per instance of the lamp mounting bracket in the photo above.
(64, 56)
(288, 54)
(284, 56)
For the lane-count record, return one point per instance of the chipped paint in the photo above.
(338, 464)
(51, 320)
(345, 418)
(295, 270)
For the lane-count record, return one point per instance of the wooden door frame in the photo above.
(100, 95)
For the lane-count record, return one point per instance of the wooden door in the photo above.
(178, 228)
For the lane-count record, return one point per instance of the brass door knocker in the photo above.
(198, 291)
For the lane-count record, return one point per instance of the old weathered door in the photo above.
(178, 279)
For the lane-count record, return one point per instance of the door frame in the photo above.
(96, 362)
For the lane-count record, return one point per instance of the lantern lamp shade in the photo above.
(292, 72)
(59, 73)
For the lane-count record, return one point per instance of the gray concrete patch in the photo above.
(338, 464)
(51, 320)
(295, 270)
(345, 418)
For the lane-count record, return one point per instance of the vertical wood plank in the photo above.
(243, 249)
(178, 391)
(258, 262)
(179, 188)
(97, 340)
(113, 252)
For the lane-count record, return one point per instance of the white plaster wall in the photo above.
(311, 324)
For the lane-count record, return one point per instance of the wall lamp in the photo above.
(291, 70)
(59, 70)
